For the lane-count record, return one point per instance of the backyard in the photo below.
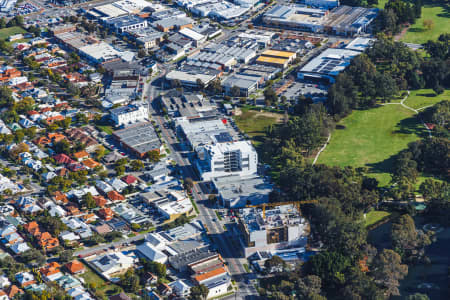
(102, 287)
(375, 216)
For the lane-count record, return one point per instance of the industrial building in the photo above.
(190, 76)
(227, 158)
(296, 17)
(272, 229)
(342, 20)
(247, 84)
(138, 139)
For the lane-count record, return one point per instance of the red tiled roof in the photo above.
(63, 159)
(129, 179)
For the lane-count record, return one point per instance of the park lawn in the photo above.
(374, 216)
(103, 287)
(417, 34)
(371, 138)
(422, 98)
(7, 32)
(254, 123)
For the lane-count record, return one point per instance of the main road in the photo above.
(226, 244)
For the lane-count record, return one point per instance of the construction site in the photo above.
(270, 227)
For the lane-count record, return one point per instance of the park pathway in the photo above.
(402, 103)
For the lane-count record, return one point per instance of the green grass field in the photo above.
(425, 97)
(6, 32)
(374, 216)
(254, 123)
(439, 13)
(371, 138)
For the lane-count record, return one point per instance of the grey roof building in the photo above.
(138, 139)
(237, 192)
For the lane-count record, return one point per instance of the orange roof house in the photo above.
(72, 209)
(12, 291)
(56, 137)
(51, 120)
(106, 213)
(100, 200)
(81, 155)
(75, 267)
(88, 218)
(50, 269)
(115, 196)
(90, 163)
(60, 197)
(42, 141)
(32, 228)
(62, 172)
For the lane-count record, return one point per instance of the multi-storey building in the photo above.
(229, 158)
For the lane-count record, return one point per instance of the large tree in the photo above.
(387, 269)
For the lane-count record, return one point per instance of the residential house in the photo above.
(25, 279)
(81, 155)
(102, 229)
(4, 281)
(60, 197)
(106, 213)
(46, 241)
(3, 295)
(75, 267)
(110, 264)
(129, 179)
(12, 291)
(115, 196)
(117, 184)
(19, 248)
(51, 271)
(100, 201)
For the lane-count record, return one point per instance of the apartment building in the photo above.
(229, 158)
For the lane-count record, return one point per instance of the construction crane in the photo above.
(295, 203)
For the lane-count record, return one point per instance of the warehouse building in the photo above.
(247, 84)
(138, 139)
